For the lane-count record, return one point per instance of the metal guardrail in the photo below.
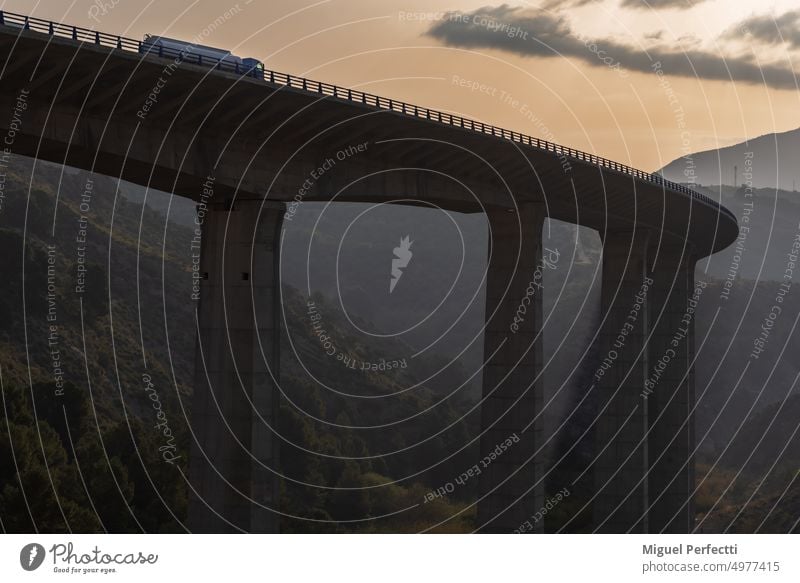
(85, 35)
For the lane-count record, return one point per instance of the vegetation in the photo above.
(84, 456)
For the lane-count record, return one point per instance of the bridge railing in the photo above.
(85, 35)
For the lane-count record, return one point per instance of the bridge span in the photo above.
(244, 147)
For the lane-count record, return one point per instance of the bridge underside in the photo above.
(250, 142)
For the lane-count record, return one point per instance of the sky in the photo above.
(640, 82)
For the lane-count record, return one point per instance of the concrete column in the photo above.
(511, 397)
(670, 391)
(235, 400)
(621, 452)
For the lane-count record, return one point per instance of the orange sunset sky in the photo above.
(576, 72)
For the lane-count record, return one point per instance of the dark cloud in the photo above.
(658, 4)
(506, 28)
(770, 29)
(643, 4)
(561, 4)
(538, 34)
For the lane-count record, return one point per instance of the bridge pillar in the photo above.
(511, 398)
(235, 399)
(644, 468)
(670, 391)
(621, 452)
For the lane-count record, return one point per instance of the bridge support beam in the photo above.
(235, 400)
(511, 397)
(670, 390)
(621, 453)
(644, 470)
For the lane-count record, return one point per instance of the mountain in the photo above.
(772, 159)
(771, 217)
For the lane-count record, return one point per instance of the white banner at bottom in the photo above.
(390, 558)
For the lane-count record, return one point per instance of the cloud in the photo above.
(561, 4)
(770, 29)
(661, 4)
(643, 4)
(546, 35)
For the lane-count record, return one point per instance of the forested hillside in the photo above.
(96, 323)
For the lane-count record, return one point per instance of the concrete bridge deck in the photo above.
(263, 138)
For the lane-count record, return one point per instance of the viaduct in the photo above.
(244, 146)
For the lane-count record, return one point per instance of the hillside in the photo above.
(758, 474)
(771, 159)
(132, 318)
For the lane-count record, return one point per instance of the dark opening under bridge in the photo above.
(163, 120)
